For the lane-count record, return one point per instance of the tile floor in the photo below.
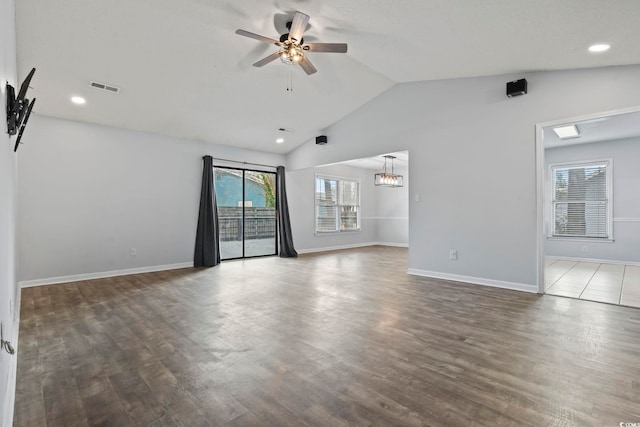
(611, 283)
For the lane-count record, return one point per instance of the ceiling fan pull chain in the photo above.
(290, 81)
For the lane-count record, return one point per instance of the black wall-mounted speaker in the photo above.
(516, 88)
(321, 140)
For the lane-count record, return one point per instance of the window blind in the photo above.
(581, 201)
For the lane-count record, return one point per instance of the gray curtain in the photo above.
(207, 253)
(284, 224)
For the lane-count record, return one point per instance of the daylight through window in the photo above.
(337, 204)
(582, 200)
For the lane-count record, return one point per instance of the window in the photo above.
(582, 200)
(337, 204)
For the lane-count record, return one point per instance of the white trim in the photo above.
(102, 275)
(540, 169)
(626, 219)
(540, 187)
(578, 164)
(591, 116)
(353, 246)
(337, 204)
(394, 245)
(336, 233)
(593, 260)
(333, 248)
(12, 376)
(581, 239)
(475, 280)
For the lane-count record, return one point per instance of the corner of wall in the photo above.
(8, 219)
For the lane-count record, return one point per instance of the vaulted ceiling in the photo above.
(184, 72)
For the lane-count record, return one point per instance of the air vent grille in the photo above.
(103, 86)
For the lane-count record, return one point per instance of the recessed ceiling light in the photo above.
(566, 132)
(600, 47)
(78, 100)
(280, 140)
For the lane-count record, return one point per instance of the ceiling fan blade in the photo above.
(265, 61)
(258, 37)
(325, 47)
(307, 66)
(298, 25)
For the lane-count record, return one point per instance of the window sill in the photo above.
(333, 233)
(581, 239)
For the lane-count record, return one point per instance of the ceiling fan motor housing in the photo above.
(285, 37)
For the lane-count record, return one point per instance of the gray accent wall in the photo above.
(626, 201)
(472, 162)
(88, 194)
(9, 292)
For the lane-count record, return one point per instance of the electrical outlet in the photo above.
(453, 254)
(133, 252)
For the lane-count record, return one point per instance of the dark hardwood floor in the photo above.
(330, 339)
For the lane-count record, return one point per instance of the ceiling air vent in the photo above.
(104, 86)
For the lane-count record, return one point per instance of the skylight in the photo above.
(566, 132)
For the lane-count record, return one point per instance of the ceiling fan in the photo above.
(292, 45)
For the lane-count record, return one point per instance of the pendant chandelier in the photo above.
(386, 179)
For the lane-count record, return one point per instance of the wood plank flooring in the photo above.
(331, 339)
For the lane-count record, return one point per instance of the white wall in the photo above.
(89, 193)
(384, 211)
(301, 198)
(626, 203)
(9, 297)
(392, 212)
(472, 162)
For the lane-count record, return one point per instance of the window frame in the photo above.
(337, 205)
(608, 164)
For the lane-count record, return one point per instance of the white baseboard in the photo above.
(394, 245)
(334, 248)
(353, 246)
(102, 275)
(475, 280)
(594, 260)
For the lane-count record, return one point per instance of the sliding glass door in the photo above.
(246, 212)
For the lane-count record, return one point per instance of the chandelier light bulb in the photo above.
(387, 179)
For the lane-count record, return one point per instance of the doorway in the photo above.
(246, 202)
(588, 214)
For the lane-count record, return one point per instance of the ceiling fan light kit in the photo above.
(292, 46)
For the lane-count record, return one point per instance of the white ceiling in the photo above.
(606, 128)
(376, 163)
(184, 72)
